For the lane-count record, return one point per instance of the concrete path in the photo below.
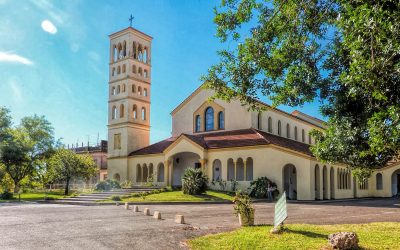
(54, 226)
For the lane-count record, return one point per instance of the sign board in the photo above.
(280, 210)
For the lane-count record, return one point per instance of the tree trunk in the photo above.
(16, 188)
(66, 187)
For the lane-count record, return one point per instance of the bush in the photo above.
(6, 195)
(242, 205)
(194, 181)
(114, 184)
(107, 185)
(259, 187)
(102, 185)
(116, 198)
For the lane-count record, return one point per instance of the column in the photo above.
(245, 166)
(203, 164)
(166, 172)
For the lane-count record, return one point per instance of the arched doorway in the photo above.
(324, 183)
(217, 174)
(317, 182)
(160, 173)
(396, 182)
(117, 177)
(180, 162)
(332, 182)
(290, 181)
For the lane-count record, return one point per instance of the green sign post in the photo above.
(280, 210)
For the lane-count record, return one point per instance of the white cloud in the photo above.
(49, 27)
(14, 58)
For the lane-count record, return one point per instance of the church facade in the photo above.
(226, 140)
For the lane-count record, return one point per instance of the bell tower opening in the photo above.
(128, 111)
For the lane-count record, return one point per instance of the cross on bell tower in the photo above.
(131, 20)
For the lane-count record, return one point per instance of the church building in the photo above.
(226, 140)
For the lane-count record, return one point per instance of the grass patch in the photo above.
(35, 195)
(381, 235)
(179, 196)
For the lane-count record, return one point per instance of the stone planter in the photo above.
(246, 220)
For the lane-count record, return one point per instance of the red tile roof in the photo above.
(229, 139)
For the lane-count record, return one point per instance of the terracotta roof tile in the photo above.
(229, 139)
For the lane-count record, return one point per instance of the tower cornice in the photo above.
(130, 30)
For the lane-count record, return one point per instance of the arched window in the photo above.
(221, 122)
(143, 113)
(309, 139)
(379, 181)
(303, 135)
(269, 124)
(140, 53)
(231, 170)
(113, 91)
(140, 71)
(145, 55)
(123, 68)
(134, 112)
(114, 112)
(115, 53)
(124, 50)
(217, 167)
(144, 92)
(134, 69)
(139, 90)
(249, 169)
(134, 52)
(138, 173)
(133, 88)
(288, 130)
(120, 51)
(113, 71)
(240, 170)
(145, 74)
(295, 133)
(123, 87)
(121, 111)
(259, 121)
(279, 128)
(118, 89)
(198, 122)
(118, 70)
(209, 119)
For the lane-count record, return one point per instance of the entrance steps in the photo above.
(92, 198)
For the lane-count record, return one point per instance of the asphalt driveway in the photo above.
(53, 226)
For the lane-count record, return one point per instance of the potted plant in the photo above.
(244, 209)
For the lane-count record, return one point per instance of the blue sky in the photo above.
(54, 59)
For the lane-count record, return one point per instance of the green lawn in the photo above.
(175, 196)
(39, 195)
(383, 235)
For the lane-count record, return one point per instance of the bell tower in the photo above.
(129, 97)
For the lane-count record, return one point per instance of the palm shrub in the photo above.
(194, 181)
(259, 187)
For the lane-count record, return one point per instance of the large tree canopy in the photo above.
(65, 165)
(344, 53)
(24, 149)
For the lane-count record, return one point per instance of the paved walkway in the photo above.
(54, 226)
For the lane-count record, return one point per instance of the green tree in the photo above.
(25, 147)
(345, 53)
(65, 165)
